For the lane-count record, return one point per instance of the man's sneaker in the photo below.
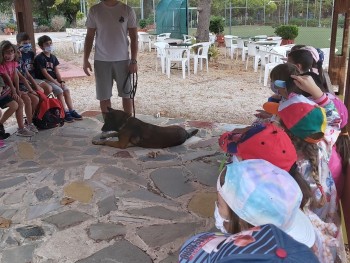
(68, 117)
(25, 132)
(32, 128)
(75, 115)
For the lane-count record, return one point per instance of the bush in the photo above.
(81, 22)
(11, 26)
(143, 23)
(287, 31)
(58, 22)
(150, 20)
(216, 25)
(80, 15)
(297, 21)
(43, 28)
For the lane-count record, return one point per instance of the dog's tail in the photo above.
(191, 133)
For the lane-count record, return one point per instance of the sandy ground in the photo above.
(227, 93)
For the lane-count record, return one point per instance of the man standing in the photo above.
(111, 21)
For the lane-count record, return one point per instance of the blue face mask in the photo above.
(25, 48)
(49, 49)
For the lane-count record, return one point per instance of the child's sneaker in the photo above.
(75, 115)
(25, 132)
(68, 117)
(32, 128)
(3, 135)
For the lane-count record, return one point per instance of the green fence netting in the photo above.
(171, 17)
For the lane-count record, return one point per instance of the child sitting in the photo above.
(26, 63)
(45, 65)
(8, 71)
(255, 192)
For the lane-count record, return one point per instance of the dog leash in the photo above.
(132, 92)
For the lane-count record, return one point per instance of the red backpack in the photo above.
(49, 113)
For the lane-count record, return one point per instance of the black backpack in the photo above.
(49, 113)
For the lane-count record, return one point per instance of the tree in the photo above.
(68, 8)
(5, 6)
(44, 8)
(203, 8)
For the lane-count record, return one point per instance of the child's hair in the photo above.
(297, 47)
(309, 151)
(235, 224)
(4, 46)
(292, 87)
(302, 57)
(22, 36)
(43, 39)
(283, 71)
(343, 148)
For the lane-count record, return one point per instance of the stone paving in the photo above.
(71, 201)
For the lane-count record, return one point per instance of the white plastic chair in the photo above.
(161, 54)
(268, 60)
(261, 37)
(77, 43)
(176, 54)
(242, 48)
(212, 38)
(144, 39)
(253, 52)
(188, 39)
(163, 36)
(202, 53)
(231, 44)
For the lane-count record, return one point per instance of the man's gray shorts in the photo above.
(108, 71)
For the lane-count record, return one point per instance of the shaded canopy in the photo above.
(171, 17)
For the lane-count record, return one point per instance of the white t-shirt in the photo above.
(111, 24)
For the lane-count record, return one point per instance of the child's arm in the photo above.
(59, 78)
(307, 84)
(48, 77)
(25, 82)
(8, 80)
(31, 80)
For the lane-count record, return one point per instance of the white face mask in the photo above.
(219, 221)
(49, 48)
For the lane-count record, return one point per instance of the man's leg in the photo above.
(127, 105)
(104, 104)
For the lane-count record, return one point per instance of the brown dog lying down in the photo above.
(133, 132)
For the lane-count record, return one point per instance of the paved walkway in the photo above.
(71, 201)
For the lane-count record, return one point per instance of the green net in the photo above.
(171, 17)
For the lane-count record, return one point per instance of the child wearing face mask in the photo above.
(46, 68)
(26, 63)
(8, 71)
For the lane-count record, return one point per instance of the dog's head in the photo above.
(114, 120)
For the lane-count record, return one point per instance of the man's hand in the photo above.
(87, 68)
(132, 68)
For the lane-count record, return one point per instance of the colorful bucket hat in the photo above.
(261, 193)
(303, 118)
(266, 243)
(265, 141)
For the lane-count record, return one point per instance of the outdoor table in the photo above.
(173, 40)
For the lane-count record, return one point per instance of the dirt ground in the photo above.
(227, 93)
